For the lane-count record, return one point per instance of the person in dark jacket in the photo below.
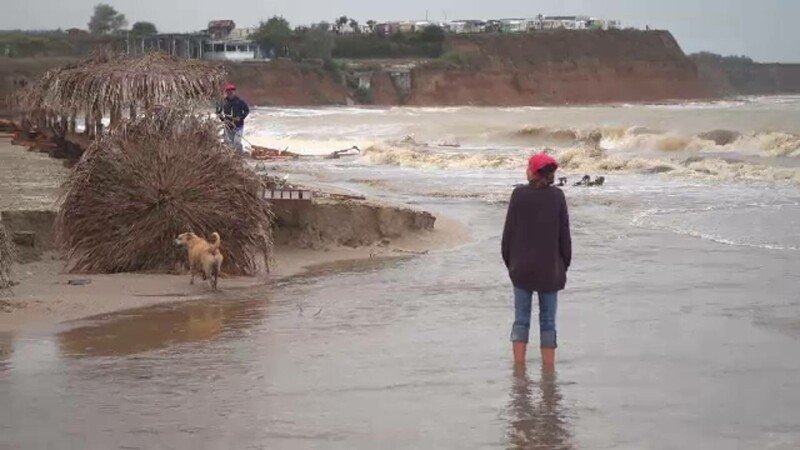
(232, 113)
(537, 250)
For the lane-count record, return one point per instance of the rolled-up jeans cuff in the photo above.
(520, 333)
(547, 339)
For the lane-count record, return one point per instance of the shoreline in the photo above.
(43, 298)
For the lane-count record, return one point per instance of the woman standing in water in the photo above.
(537, 250)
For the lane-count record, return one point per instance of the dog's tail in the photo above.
(215, 242)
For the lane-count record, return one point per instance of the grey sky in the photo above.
(766, 30)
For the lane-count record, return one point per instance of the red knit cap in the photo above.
(540, 161)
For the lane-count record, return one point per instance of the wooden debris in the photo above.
(272, 154)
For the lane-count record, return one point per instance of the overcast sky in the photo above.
(766, 30)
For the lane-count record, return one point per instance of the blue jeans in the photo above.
(233, 137)
(548, 302)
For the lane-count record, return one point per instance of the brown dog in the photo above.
(204, 257)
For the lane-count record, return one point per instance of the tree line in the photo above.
(107, 20)
(344, 37)
(326, 40)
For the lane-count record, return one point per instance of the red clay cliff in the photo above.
(541, 68)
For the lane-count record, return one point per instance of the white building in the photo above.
(406, 27)
(535, 24)
(603, 24)
(420, 25)
(348, 29)
(514, 25)
(565, 22)
(466, 26)
(241, 34)
(230, 50)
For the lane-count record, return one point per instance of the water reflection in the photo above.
(154, 328)
(535, 413)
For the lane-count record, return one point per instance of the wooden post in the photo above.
(116, 116)
(98, 122)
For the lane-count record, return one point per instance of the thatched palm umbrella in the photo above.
(116, 84)
(142, 184)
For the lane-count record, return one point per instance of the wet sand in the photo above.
(44, 296)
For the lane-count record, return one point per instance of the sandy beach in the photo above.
(44, 296)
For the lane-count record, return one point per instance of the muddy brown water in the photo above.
(679, 327)
(412, 353)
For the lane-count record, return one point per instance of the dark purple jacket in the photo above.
(537, 247)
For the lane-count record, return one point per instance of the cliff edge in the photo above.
(559, 67)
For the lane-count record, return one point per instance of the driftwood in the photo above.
(272, 154)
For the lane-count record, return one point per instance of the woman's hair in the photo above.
(546, 175)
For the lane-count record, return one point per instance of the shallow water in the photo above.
(679, 329)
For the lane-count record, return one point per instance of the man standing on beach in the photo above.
(232, 113)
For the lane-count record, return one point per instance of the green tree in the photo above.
(322, 26)
(274, 33)
(340, 23)
(106, 19)
(432, 33)
(140, 29)
(371, 24)
(314, 43)
(354, 25)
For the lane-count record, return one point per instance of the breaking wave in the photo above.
(584, 159)
(712, 169)
(767, 144)
(423, 158)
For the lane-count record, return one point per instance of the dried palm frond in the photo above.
(109, 83)
(140, 186)
(7, 257)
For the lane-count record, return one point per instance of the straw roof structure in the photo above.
(113, 84)
(142, 184)
(7, 257)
